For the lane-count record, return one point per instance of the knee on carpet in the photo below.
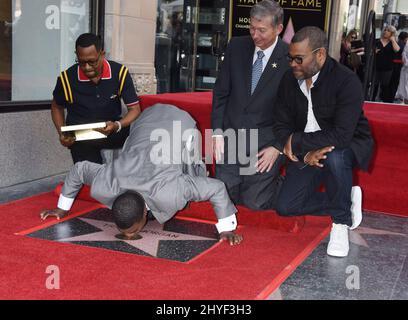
(283, 208)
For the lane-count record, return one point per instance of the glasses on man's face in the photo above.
(92, 63)
(299, 59)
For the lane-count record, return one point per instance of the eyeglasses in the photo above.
(92, 63)
(299, 59)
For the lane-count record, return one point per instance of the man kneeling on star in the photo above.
(319, 117)
(143, 177)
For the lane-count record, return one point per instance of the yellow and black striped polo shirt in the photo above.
(88, 102)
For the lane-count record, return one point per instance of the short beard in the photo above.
(313, 70)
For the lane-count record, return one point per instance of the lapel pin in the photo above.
(274, 65)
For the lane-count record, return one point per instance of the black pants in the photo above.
(395, 78)
(257, 191)
(90, 150)
(299, 194)
(382, 82)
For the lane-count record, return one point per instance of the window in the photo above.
(169, 45)
(37, 42)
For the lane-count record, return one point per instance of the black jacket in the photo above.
(233, 105)
(337, 98)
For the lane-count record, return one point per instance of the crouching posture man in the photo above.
(319, 117)
(149, 175)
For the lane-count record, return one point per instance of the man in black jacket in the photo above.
(243, 99)
(319, 117)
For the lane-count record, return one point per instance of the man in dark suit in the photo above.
(319, 117)
(243, 98)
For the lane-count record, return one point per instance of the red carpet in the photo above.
(249, 271)
(385, 186)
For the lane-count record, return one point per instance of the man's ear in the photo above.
(279, 28)
(322, 55)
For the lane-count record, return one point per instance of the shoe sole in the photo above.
(337, 255)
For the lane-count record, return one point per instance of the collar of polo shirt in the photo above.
(106, 75)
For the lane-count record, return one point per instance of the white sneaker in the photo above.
(339, 243)
(356, 204)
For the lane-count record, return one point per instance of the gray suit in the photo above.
(166, 187)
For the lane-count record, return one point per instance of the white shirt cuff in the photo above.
(65, 203)
(227, 224)
(189, 143)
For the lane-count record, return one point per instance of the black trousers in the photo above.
(257, 191)
(90, 150)
(382, 83)
(299, 194)
(395, 78)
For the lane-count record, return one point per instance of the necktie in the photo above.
(256, 70)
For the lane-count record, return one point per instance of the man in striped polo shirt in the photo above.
(91, 91)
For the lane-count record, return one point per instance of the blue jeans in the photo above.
(299, 194)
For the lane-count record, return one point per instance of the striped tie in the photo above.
(256, 70)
